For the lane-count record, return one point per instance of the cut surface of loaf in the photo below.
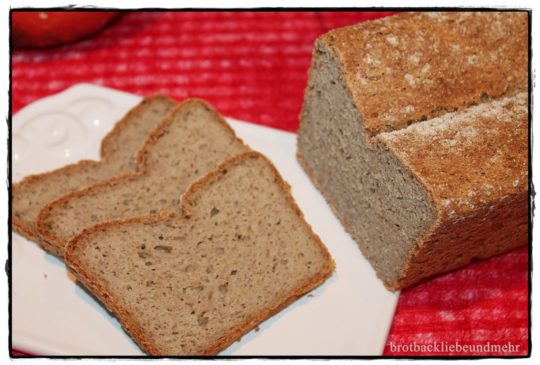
(193, 283)
(118, 150)
(190, 142)
(420, 196)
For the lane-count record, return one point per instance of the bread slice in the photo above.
(193, 283)
(190, 142)
(118, 151)
(422, 197)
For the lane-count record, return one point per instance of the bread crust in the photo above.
(54, 243)
(108, 140)
(31, 233)
(129, 323)
(404, 58)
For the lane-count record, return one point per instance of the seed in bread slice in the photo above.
(189, 143)
(118, 150)
(192, 283)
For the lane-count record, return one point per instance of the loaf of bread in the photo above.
(414, 128)
(118, 151)
(186, 145)
(193, 283)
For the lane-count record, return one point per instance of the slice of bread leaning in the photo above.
(189, 143)
(118, 150)
(194, 282)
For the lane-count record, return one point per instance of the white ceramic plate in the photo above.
(348, 315)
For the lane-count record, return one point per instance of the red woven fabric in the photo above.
(253, 66)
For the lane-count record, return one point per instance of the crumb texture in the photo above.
(118, 152)
(193, 284)
(192, 141)
(367, 187)
(415, 66)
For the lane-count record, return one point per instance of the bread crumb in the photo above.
(408, 109)
(471, 60)
(496, 157)
(370, 61)
(436, 15)
(467, 203)
(390, 119)
(392, 40)
(71, 276)
(45, 275)
(448, 142)
(410, 79)
(414, 58)
(468, 132)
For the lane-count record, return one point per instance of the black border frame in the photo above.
(532, 193)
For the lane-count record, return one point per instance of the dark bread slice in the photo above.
(189, 143)
(118, 150)
(192, 283)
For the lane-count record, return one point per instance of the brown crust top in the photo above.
(116, 133)
(130, 323)
(415, 66)
(31, 232)
(56, 245)
(162, 127)
(468, 159)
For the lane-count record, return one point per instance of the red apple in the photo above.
(39, 29)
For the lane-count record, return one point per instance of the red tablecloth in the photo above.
(253, 66)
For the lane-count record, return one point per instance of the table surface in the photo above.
(253, 66)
